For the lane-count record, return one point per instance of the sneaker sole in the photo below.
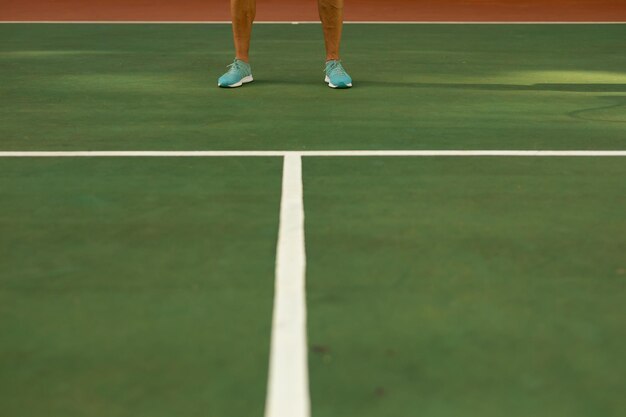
(244, 80)
(331, 85)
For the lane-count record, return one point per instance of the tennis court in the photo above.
(463, 222)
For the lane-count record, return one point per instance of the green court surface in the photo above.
(135, 287)
(437, 287)
(119, 87)
(466, 287)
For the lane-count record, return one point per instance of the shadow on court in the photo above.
(577, 88)
(265, 82)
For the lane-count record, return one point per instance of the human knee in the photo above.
(331, 4)
(244, 8)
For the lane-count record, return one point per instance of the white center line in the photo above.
(288, 385)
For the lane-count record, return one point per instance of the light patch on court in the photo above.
(53, 53)
(125, 83)
(451, 74)
(569, 77)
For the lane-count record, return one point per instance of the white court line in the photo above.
(170, 154)
(304, 22)
(122, 154)
(288, 385)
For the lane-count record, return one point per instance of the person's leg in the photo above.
(331, 15)
(239, 73)
(243, 13)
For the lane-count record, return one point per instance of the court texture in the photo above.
(447, 238)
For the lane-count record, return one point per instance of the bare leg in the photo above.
(331, 14)
(243, 13)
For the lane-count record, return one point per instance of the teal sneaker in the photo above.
(336, 75)
(239, 73)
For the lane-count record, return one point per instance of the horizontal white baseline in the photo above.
(459, 153)
(281, 22)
